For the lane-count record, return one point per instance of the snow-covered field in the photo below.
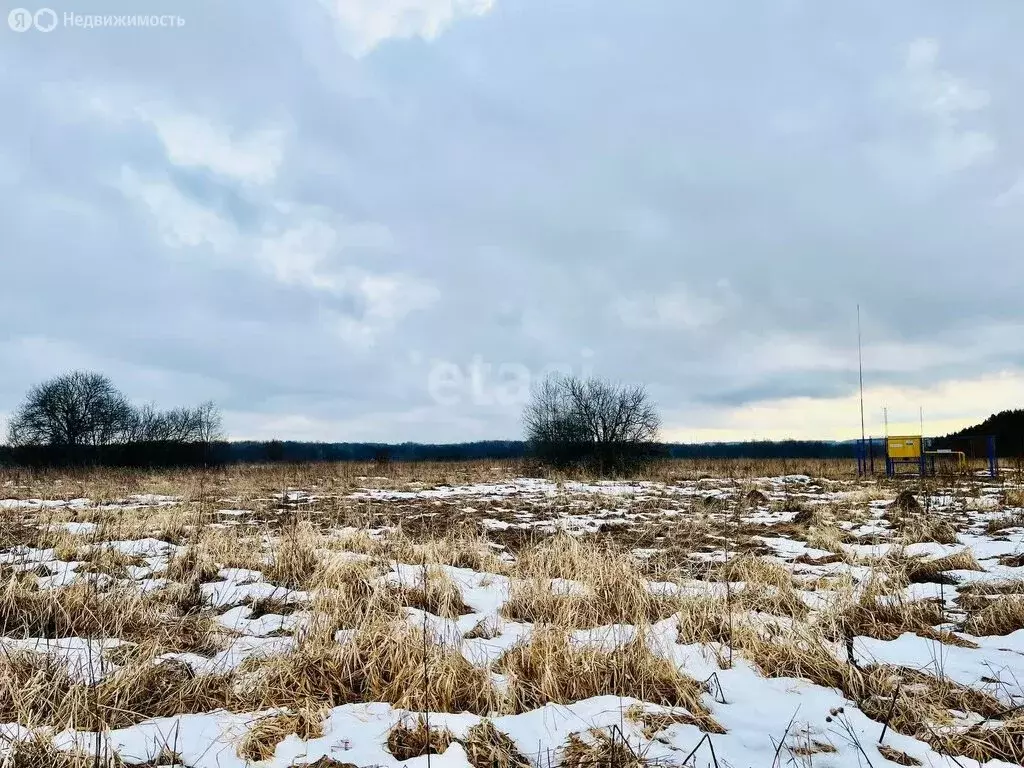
(316, 620)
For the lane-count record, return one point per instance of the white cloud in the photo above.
(189, 139)
(947, 101)
(181, 221)
(304, 249)
(392, 297)
(938, 91)
(960, 150)
(365, 24)
(386, 299)
(679, 308)
(300, 255)
(195, 141)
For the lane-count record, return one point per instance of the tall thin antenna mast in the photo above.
(920, 411)
(885, 415)
(860, 367)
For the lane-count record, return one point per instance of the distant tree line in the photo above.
(1006, 426)
(81, 418)
(291, 451)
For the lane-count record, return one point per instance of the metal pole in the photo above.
(860, 367)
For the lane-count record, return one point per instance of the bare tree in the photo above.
(201, 424)
(591, 423)
(75, 409)
(80, 418)
(208, 423)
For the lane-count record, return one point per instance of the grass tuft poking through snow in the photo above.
(550, 668)
(263, 737)
(487, 747)
(409, 740)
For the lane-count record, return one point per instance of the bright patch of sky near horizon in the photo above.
(382, 220)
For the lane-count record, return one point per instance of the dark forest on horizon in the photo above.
(1007, 427)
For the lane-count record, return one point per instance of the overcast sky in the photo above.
(383, 219)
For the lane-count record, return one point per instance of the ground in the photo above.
(736, 614)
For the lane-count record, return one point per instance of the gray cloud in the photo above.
(301, 209)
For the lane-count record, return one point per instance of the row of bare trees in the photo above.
(591, 424)
(82, 416)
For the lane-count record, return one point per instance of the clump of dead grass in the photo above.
(991, 740)
(39, 751)
(437, 593)
(599, 747)
(917, 528)
(751, 569)
(108, 562)
(828, 537)
(487, 747)
(897, 756)
(1000, 616)
(886, 617)
(610, 587)
(611, 601)
(704, 619)
(383, 661)
(35, 689)
(407, 740)
(549, 668)
(777, 601)
(295, 559)
(460, 549)
(261, 741)
(350, 593)
(193, 563)
(767, 586)
(653, 722)
(920, 571)
(80, 610)
(999, 524)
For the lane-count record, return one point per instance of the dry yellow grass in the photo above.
(38, 751)
(294, 561)
(80, 610)
(262, 739)
(549, 668)
(409, 740)
(384, 658)
(655, 722)
(1001, 616)
(384, 661)
(597, 748)
(918, 570)
(37, 691)
(897, 756)
(487, 747)
(436, 593)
